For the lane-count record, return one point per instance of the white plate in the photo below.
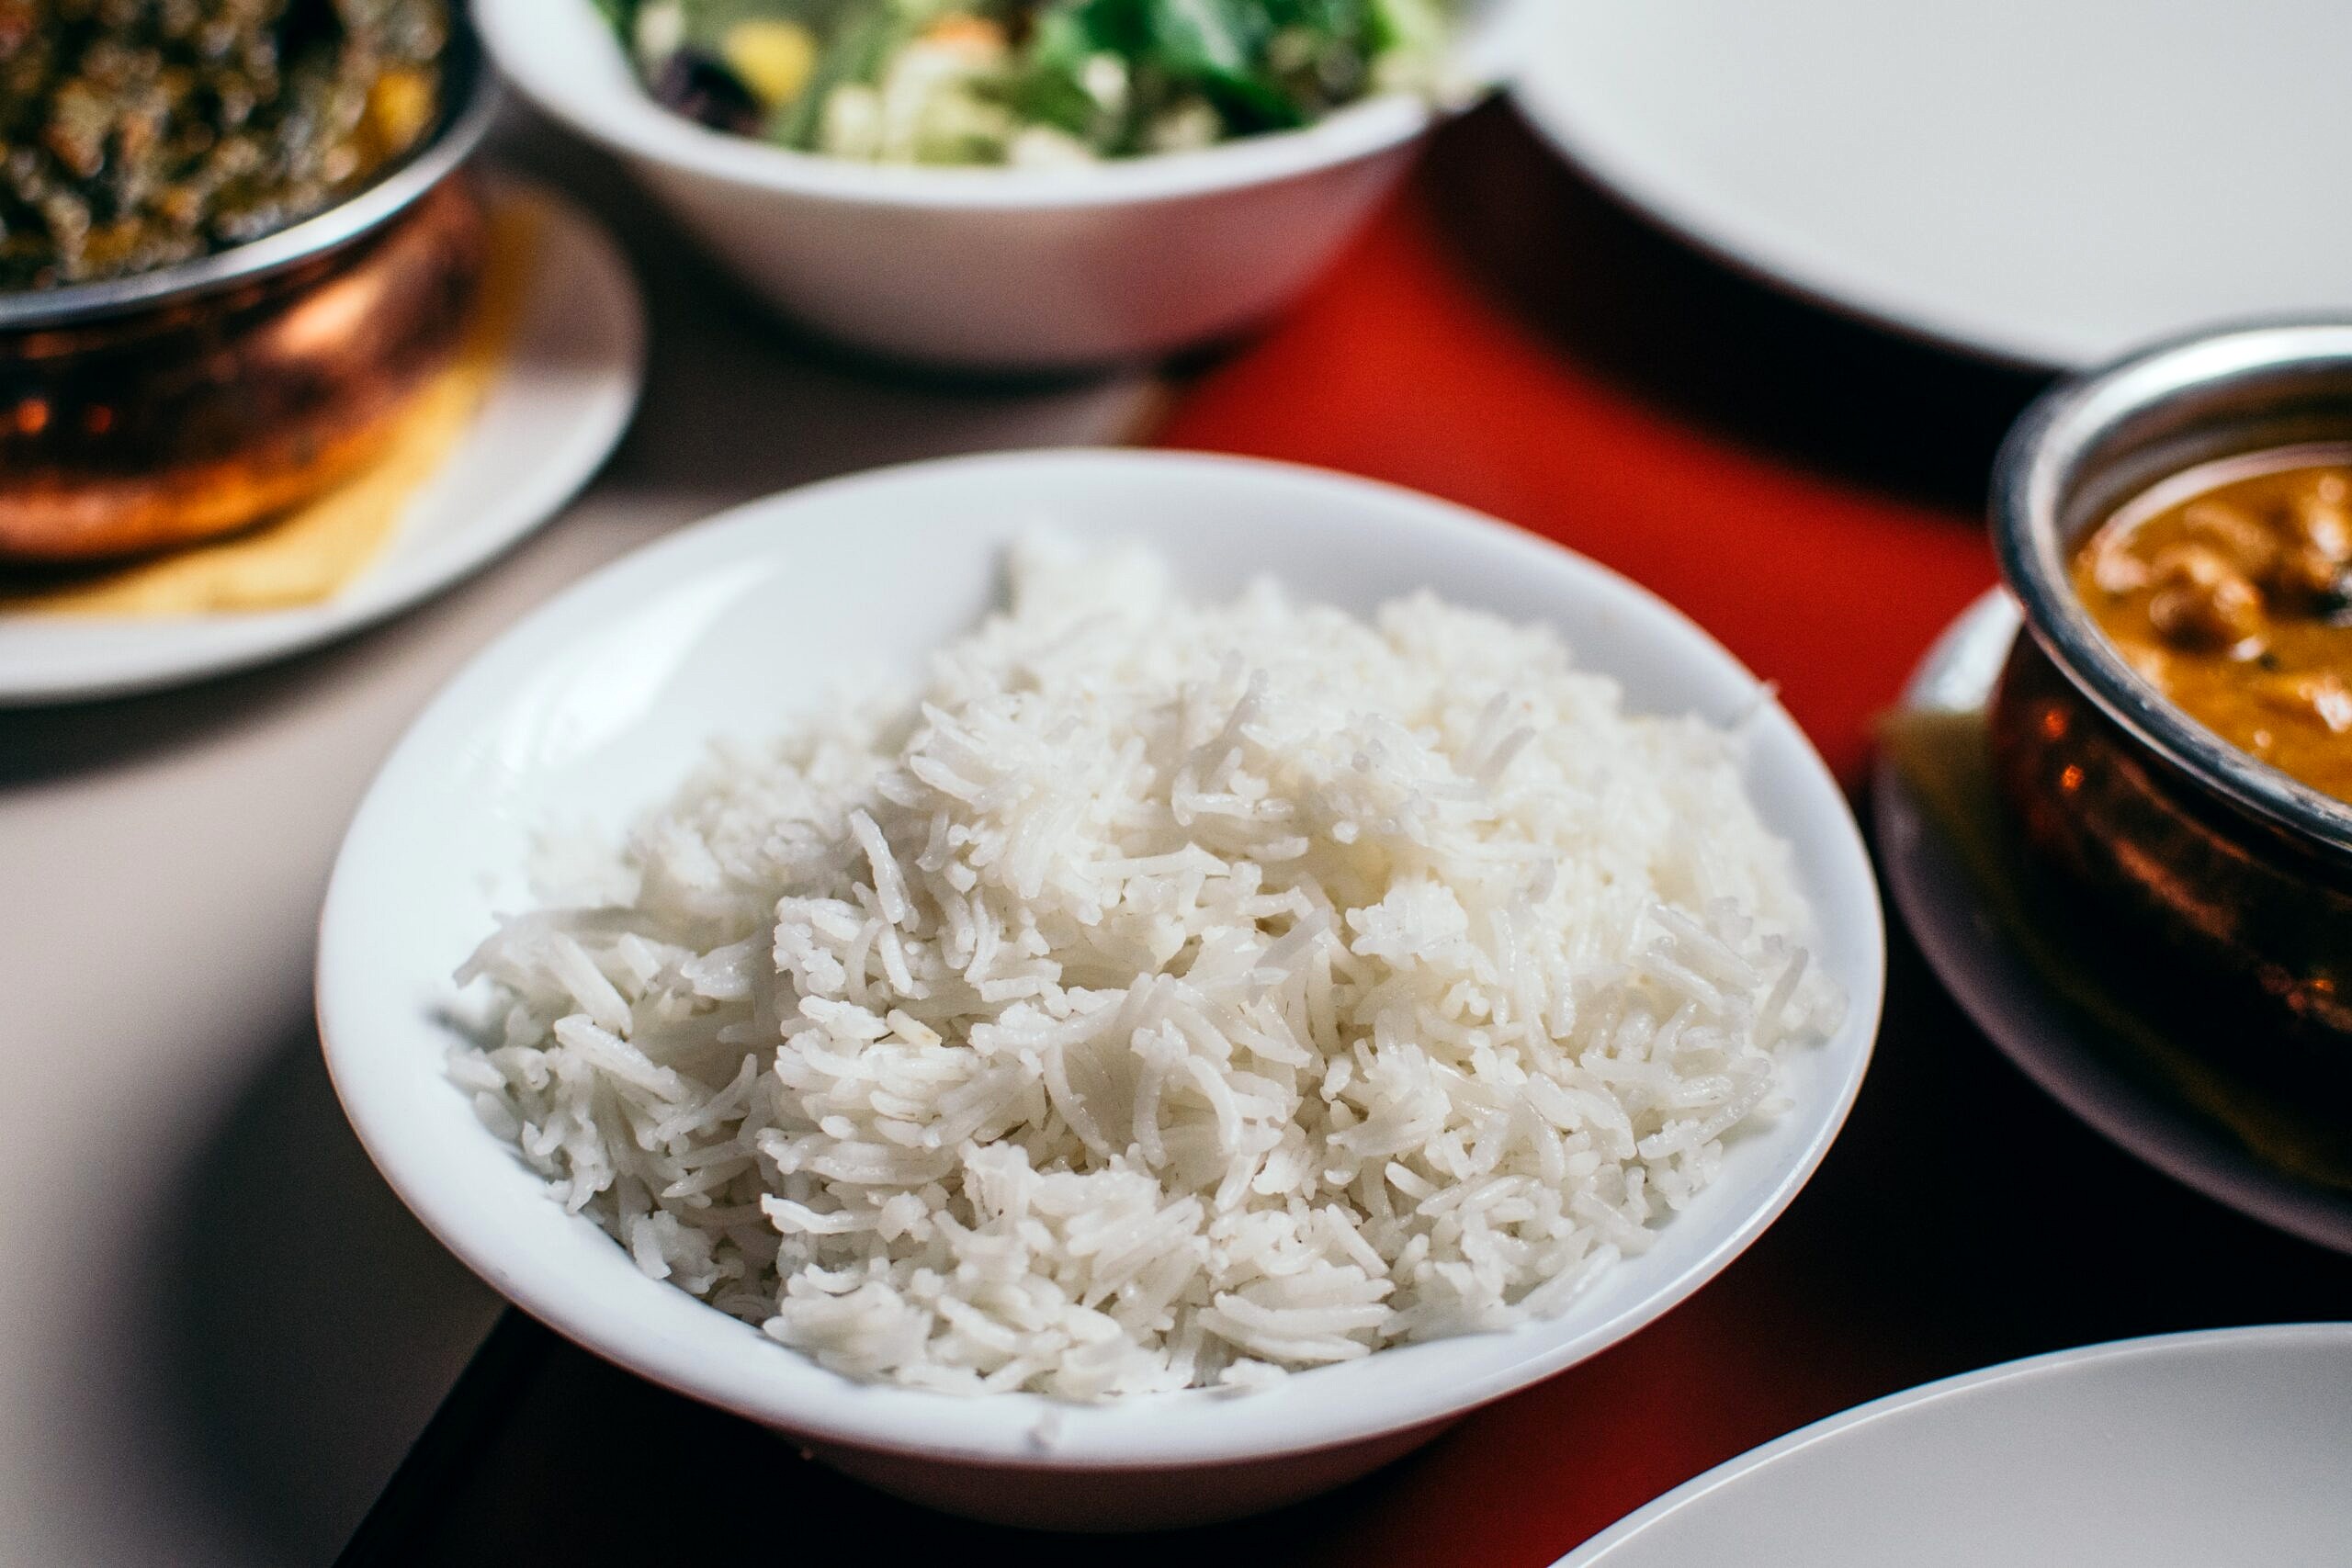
(557, 407)
(2049, 181)
(1999, 990)
(2227, 1448)
(596, 706)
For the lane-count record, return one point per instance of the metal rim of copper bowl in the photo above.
(2090, 444)
(470, 99)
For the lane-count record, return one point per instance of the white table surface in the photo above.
(219, 1331)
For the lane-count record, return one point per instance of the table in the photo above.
(1507, 336)
(1807, 489)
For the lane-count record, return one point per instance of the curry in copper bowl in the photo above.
(2173, 734)
(2229, 589)
(230, 249)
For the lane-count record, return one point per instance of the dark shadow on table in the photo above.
(268, 1369)
(55, 745)
(1714, 344)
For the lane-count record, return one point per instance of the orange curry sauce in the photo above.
(2235, 601)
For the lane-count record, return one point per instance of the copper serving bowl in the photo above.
(2232, 880)
(200, 398)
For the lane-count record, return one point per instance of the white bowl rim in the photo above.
(629, 122)
(1595, 1550)
(1006, 1430)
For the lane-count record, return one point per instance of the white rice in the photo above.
(1174, 995)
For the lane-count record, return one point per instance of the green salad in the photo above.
(1024, 82)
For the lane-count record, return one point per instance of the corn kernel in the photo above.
(400, 110)
(773, 58)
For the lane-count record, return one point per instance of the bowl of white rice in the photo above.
(1100, 991)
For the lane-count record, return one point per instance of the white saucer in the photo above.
(558, 408)
(2185, 1451)
(2048, 181)
(1999, 989)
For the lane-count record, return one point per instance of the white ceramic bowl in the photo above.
(596, 706)
(2191, 1451)
(1024, 269)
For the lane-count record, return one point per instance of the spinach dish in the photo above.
(138, 133)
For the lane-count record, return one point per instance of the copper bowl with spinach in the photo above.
(231, 246)
(2173, 734)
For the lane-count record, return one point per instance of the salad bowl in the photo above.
(1026, 269)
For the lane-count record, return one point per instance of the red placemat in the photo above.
(1445, 356)
(1804, 487)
